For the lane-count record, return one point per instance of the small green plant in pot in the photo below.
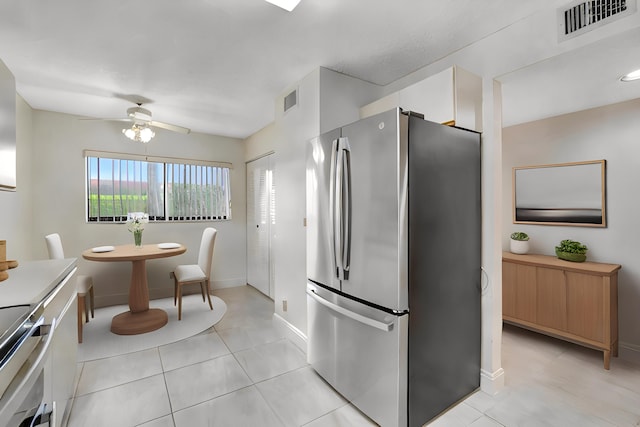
(570, 250)
(519, 242)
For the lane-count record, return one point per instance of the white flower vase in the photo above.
(519, 246)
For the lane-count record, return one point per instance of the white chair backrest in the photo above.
(205, 256)
(54, 246)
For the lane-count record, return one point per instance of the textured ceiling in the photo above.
(216, 66)
(586, 77)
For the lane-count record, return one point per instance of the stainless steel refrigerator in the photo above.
(393, 265)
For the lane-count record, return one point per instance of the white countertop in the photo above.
(31, 281)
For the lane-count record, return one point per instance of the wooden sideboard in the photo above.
(575, 301)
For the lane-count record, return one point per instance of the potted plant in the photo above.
(570, 250)
(519, 242)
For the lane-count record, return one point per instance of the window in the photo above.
(167, 189)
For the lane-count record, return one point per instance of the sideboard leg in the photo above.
(607, 359)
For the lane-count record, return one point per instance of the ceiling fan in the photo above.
(142, 124)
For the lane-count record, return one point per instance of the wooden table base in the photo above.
(129, 323)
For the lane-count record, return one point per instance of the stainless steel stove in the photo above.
(10, 318)
(14, 324)
(23, 349)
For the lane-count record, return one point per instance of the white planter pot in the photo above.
(519, 246)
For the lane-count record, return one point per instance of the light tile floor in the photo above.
(242, 372)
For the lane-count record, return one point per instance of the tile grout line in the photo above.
(166, 387)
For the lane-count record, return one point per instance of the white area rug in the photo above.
(98, 342)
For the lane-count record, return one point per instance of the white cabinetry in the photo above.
(383, 104)
(60, 369)
(49, 285)
(452, 97)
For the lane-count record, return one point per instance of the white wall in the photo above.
(326, 100)
(262, 142)
(609, 133)
(293, 128)
(57, 170)
(16, 213)
(341, 97)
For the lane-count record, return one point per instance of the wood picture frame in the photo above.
(561, 194)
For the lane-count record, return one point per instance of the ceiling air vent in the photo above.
(291, 100)
(583, 16)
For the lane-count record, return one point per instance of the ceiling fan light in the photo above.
(287, 5)
(629, 77)
(146, 134)
(129, 133)
(139, 133)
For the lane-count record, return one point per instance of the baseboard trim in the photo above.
(164, 292)
(109, 300)
(629, 352)
(294, 334)
(229, 283)
(491, 382)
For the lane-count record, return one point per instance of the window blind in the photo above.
(171, 190)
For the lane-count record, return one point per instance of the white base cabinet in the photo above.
(48, 373)
(60, 369)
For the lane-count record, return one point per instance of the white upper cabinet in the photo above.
(452, 97)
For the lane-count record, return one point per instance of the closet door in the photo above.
(260, 224)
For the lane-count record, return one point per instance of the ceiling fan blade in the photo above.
(173, 128)
(108, 120)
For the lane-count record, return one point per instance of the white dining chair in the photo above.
(84, 284)
(199, 273)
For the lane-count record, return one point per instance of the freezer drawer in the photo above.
(361, 352)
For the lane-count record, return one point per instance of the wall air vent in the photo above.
(291, 100)
(583, 16)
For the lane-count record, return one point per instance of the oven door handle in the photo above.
(37, 329)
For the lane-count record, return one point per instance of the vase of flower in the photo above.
(135, 224)
(137, 238)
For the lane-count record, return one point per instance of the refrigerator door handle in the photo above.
(345, 216)
(340, 207)
(334, 207)
(386, 327)
(339, 210)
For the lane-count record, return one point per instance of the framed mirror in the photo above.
(561, 194)
(7, 129)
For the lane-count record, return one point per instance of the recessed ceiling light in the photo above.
(634, 75)
(287, 5)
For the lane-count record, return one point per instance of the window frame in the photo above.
(225, 169)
